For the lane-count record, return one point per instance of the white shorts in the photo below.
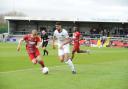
(64, 50)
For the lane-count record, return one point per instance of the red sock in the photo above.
(41, 63)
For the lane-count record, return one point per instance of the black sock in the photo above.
(41, 63)
(44, 52)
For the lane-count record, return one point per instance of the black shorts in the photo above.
(45, 44)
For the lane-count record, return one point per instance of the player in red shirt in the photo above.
(76, 44)
(32, 43)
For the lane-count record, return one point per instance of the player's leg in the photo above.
(32, 58)
(46, 43)
(75, 49)
(82, 51)
(68, 59)
(73, 53)
(39, 59)
(61, 55)
(70, 63)
(43, 47)
(44, 50)
(41, 62)
(64, 56)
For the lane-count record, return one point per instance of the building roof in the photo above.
(66, 19)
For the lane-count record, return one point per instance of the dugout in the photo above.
(24, 25)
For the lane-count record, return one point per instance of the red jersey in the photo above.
(76, 38)
(31, 43)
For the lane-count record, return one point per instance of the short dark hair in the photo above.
(58, 23)
(43, 28)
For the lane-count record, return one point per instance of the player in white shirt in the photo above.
(63, 52)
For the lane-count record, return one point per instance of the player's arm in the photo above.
(39, 42)
(19, 44)
(68, 40)
(81, 37)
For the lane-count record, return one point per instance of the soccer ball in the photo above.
(45, 70)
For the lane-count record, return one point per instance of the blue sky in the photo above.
(75, 9)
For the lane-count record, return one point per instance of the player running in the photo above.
(76, 45)
(44, 37)
(32, 41)
(63, 52)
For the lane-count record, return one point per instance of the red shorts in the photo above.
(34, 54)
(76, 48)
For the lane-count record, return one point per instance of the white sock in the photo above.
(69, 62)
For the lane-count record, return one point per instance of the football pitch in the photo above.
(104, 68)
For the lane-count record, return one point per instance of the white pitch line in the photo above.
(17, 70)
(26, 69)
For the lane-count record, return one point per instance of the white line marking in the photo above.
(17, 70)
(28, 69)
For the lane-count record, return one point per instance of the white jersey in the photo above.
(61, 36)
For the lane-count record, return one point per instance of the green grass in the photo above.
(104, 68)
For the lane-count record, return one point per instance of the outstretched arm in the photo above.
(19, 45)
(39, 43)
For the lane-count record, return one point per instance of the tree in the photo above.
(3, 25)
(12, 13)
